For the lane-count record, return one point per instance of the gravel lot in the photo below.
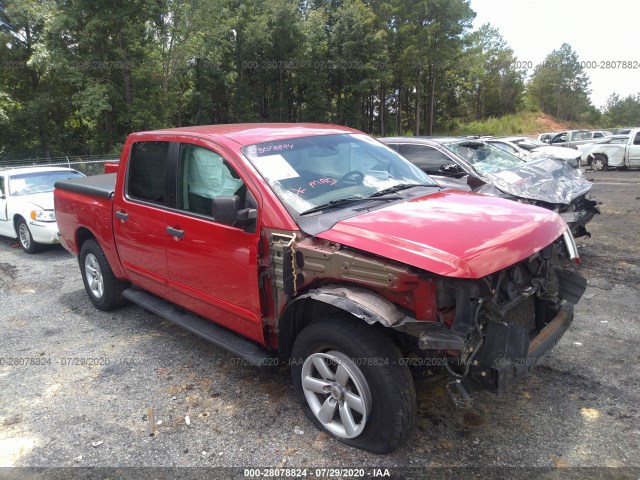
(77, 383)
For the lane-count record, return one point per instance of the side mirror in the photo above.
(451, 170)
(226, 209)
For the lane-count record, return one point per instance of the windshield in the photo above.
(38, 182)
(309, 172)
(484, 157)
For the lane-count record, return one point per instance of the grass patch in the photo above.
(524, 123)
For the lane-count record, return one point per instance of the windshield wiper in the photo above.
(402, 186)
(343, 201)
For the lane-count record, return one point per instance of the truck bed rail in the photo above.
(98, 186)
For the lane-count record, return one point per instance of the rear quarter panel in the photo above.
(77, 215)
(615, 153)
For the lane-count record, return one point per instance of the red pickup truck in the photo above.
(319, 246)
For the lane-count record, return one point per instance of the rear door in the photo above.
(634, 151)
(139, 223)
(213, 266)
(432, 161)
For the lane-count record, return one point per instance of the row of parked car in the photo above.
(361, 262)
(600, 149)
(519, 168)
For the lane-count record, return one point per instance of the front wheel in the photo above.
(103, 288)
(26, 239)
(351, 384)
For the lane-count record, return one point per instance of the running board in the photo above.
(220, 336)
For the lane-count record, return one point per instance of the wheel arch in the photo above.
(83, 234)
(16, 218)
(359, 303)
(603, 156)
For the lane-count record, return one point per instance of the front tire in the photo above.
(103, 288)
(25, 238)
(349, 380)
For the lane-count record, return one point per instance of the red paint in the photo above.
(111, 167)
(456, 234)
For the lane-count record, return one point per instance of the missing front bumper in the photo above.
(509, 354)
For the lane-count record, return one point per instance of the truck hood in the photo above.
(43, 201)
(570, 155)
(455, 234)
(544, 179)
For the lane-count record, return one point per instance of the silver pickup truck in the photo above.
(620, 151)
(571, 138)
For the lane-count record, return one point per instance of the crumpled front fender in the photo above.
(359, 302)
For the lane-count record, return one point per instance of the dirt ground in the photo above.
(550, 124)
(77, 386)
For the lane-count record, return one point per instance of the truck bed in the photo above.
(84, 208)
(102, 186)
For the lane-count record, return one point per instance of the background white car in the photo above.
(528, 149)
(26, 204)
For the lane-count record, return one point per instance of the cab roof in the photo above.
(252, 133)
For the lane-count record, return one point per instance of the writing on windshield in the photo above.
(308, 172)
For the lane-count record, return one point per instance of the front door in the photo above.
(634, 151)
(5, 227)
(213, 267)
(139, 223)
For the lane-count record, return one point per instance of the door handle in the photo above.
(174, 232)
(122, 216)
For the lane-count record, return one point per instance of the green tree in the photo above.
(494, 84)
(622, 112)
(358, 63)
(313, 83)
(426, 45)
(28, 83)
(559, 86)
(268, 41)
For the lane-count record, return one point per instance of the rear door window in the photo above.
(428, 159)
(147, 175)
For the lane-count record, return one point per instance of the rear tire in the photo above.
(103, 288)
(25, 239)
(598, 164)
(349, 380)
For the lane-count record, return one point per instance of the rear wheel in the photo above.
(598, 163)
(350, 383)
(103, 288)
(25, 238)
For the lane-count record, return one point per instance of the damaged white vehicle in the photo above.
(529, 149)
(617, 151)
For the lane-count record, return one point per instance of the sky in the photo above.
(598, 31)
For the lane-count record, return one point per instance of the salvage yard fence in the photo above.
(87, 164)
